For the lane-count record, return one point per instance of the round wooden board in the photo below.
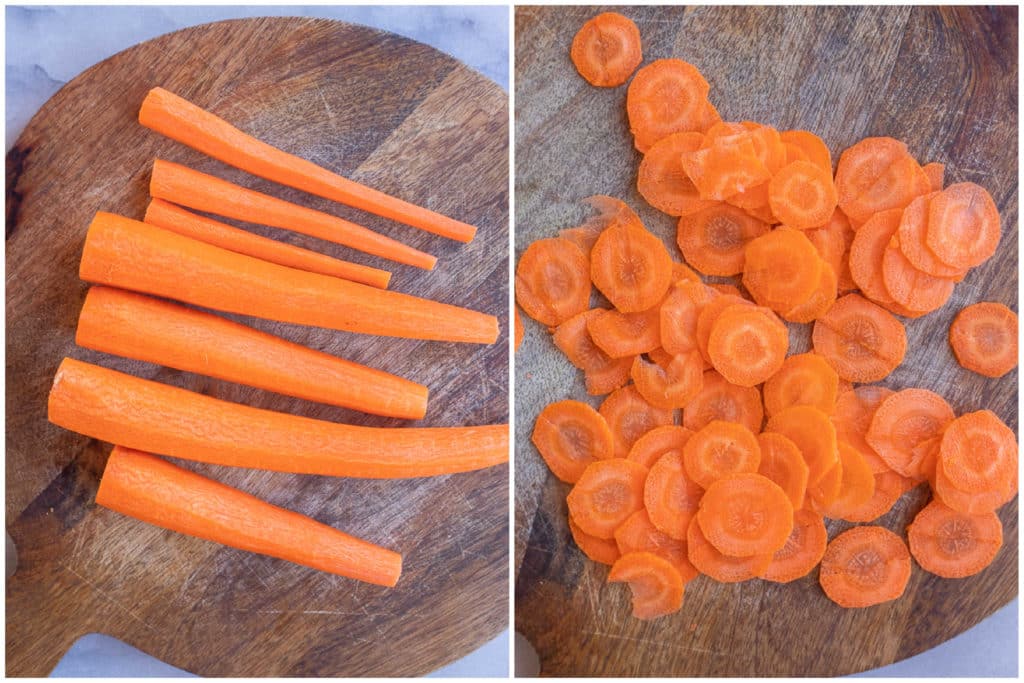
(381, 109)
(944, 81)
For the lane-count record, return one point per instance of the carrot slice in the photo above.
(602, 381)
(864, 566)
(866, 252)
(725, 166)
(606, 50)
(626, 334)
(978, 452)
(963, 225)
(602, 374)
(802, 551)
(658, 442)
(748, 344)
(728, 288)
(724, 568)
(638, 535)
(910, 287)
(936, 173)
(802, 195)
(719, 399)
(862, 341)
(679, 313)
(670, 387)
(176, 219)
(713, 239)
(569, 436)
(812, 432)
(819, 303)
(681, 271)
(972, 503)
(852, 419)
(745, 514)
(720, 449)
(984, 338)
(877, 174)
(631, 267)
(671, 497)
(149, 488)
(907, 428)
(782, 463)
(812, 147)
(629, 416)
(663, 182)
(768, 145)
(519, 331)
(824, 492)
(912, 233)
(666, 96)
(602, 550)
(656, 585)
(805, 379)
(781, 268)
(889, 486)
(952, 544)
(552, 281)
(661, 357)
(857, 485)
(833, 241)
(708, 317)
(606, 494)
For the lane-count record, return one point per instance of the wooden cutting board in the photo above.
(945, 81)
(389, 112)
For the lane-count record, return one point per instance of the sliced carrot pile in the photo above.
(856, 484)
(667, 96)
(708, 316)
(663, 182)
(671, 497)
(748, 344)
(889, 486)
(719, 399)
(658, 442)
(782, 269)
(909, 287)
(907, 429)
(862, 341)
(656, 585)
(963, 225)
(977, 456)
(606, 50)
(720, 449)
(629, 416)
(670, 387)
(713, 239)
(802, 551)
(638, 535)
(626, 334)
(954, 544)
(866, 252)
(805, 379)
(864, 566)
(553, 281)
(984, 338)
(783, 463)
(912, 234)
(606, 494)
(745, 514)
(812, 432)
(833, 241)
(570, 435)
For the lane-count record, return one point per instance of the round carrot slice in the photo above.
(877, 174)
(666, 96)
(638, 535)
(824, 492)
(656, 585)
(573, 339)
(912, 231)
(725, 166)
(650, 447)
(670, 496)
(972, 503)
(802, 195)
(852, 419)
(782, 462)
(857, 485)
(709, 314)
(812, 432)
(670, 387)
(864, 566)
(833, 241)
(819, 303)
(748, 344)
(606, 494)
(663, 182)
(805, 379)
(978, 452)
(952, 544)
(724, 568)
(812, 147)
(768, 145)
(631, 267)
(984, 338)
(626, 334)
(907, 428)
(679, 313)
(606, 50)
(719, 399)
(570, 435)
(602, 550)
(745, 514)
(781, 268)
(802, 551)
(889, 486)
(552, 281)
(910, 287)
(861, 340)
(866, 252)
(720, 449)
(713, 239)
(963, 225)
(629, 416)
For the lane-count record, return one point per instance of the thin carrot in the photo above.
(852, 419)
(607, 493)
(630, 266)
(658, 442)
(718, 450)
(552, 281)
(719, 399)
(811, 148)
(569, 436)
(953, 544)
(637, 534)
(626, 334)
(805, 379)
(602, 550)
(812, 432)
(202, 192)
(655, 583)
(877, 174)
(133, 255)
(978, 452)
(909, 287)
(672, 386)
(712, 239)
(783, 463)
(802, 195)
(200, 129)
(802, 551)
(912, 240)
(963, 225)
(155, 491)
(708, 317)
(137, 413)
(137, 326)
(606, 50)
(671, 497)
(176, 219)
(889, 486)
(718, 566)
(984, 338)
(862, 341)
(856, 486)
(745, 514)
(864, 566)
(629, 416)
(748, 344)
(907, 429)
(781, 268)
(663, 182)
(666, 96)
(679, 313)
(603, 374)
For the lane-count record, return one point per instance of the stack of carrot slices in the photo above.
(769, 446)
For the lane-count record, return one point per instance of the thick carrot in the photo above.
(153, 490)
(137, 413)
(176, 219)
(180, 120)
(137, 326)
(125, 253)
(202, 192)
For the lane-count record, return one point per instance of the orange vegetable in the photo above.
(802, 195)
(708, 316)
(607, 493)
(783, 463)
(977, 453)
(552, 281)
(862, 341)
(963, 225)
(877, 174)
(721, 400)
(818, 304)
(671, 497)
(726, 166)
(658, 442)
(812, 432)
(802, 551)
(984, 338)
(602, 550)
(808, 147)
(936, 174)
(570, 435)
(857, 484)
(727, 569)
(952, 544)
(720, 449)
(606, 50)
(666, 96)
(629, 416)
(804, 379)
(679, 314)
(832, 242)
(782, 268)
(852, 419)
(745, 514)
(889, 486)
(911, 234)
(713, 239)
(909, 287)
(656, 585)
(626, 334)
(663, 182)
(748, 344)
(864, 566)
(603, 374)
(519, 331)
(637, 534)
(670, 387)
(866, 253)
(906, 431)
(630, 266)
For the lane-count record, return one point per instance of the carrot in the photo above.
(708, 560)
(911, 235)
(658, 442)
(862, 341)
(809, 146)
(629, 416)
(783, 464)
(852, 419)
(804, 379)
(626, 334)
(857, 484)
(889, 486)
(708, 317)
(824, 492)
(176, 219)
(663, 182)
(713, 239)
(727, 288)
(552, 281)
(606, 494)
(202, 192)
(727, 166)
(603, 374)
(802, 195)
(666, 96)
(978, 452)
(137, 413)
(864, 566)
(877, 174)
(569, 436)
(157, 492)
(936, 173)
(818, 304)
(606, 50)
(637, 534)
(802, 551)
(906, 430)
(191, 125)
(910, 287)
(133, 255)
(768, 146)
(781, 268)
(745, 514)
(602, 550)
(720, 449)
(866, 252)
(952, 544)
(748, 344)
(670, 387)
(813, 433)
(671, 497)
(519, 331)
(721, 400)
(832, 241)
(156, 331)
(656, 585)
(679, 313)
(972, 503)
(963, 225)
(681, 271)
(630, 266)
(984, 338)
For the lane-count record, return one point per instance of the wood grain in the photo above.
(383, 110)
(943, 80)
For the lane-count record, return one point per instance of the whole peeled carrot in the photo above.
(137, 413)
(137, 326)
(183, 185)
(153, 490)
(180, 120)
(176, 219)
(125, 253)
